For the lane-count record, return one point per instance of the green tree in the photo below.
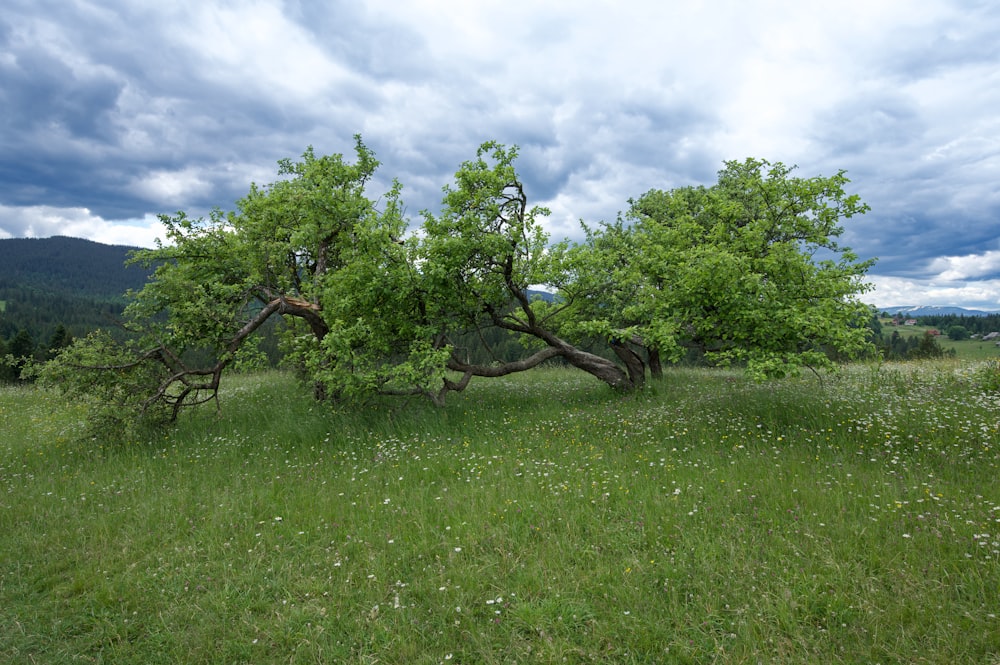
(748, 270)
(20, 352)
(957, 332)
(61, 338)
(370, 309)
(6, 363)
(218, 280)
(22, 345)
(478, 259)
(927, 347)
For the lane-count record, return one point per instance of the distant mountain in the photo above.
(80, 284)
(914, 311)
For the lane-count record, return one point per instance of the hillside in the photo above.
(69, 266)
(45, 282)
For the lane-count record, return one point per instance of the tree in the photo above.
(371, 308)
(927, 347)
(7, 373)
(957, 332)
(478, 260)
(747, 270)
(61, 338)
(22, 345)
(217, 281)
(17, 355)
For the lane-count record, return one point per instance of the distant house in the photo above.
(911, 322)
(992, 335)
(934, 331)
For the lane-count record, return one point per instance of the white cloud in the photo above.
(46, 221)
(166, 186)
(255, 44)
(892, 291)
(957, 268)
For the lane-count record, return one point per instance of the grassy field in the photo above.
(967, 349)
(539, 518)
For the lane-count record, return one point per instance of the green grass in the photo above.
(966, 349)
(540, 518)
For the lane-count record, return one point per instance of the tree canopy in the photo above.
(745, 271)
(748, 270)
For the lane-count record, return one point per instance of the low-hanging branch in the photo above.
(179, 388)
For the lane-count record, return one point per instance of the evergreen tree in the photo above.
(22, 348)
(6, 370)
(60, 339)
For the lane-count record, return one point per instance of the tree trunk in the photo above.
(655, 366)
(599, 367)
(633, 363)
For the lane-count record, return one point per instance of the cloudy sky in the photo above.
(115, 110)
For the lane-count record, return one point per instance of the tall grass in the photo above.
(538, 518)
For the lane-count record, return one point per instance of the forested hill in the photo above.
(71, 266)
(47, 282)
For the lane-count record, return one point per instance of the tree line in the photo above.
(971, 325)
(894, 346)
(39, 313)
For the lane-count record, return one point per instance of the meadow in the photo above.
(966, 349)
(537, 518)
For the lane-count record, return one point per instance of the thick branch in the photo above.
(303, 309)
(503, 369)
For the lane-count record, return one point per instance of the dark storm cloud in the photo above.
(43, 93)
(95, 111)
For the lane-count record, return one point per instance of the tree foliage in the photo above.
(958, 333)
(746, 271)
